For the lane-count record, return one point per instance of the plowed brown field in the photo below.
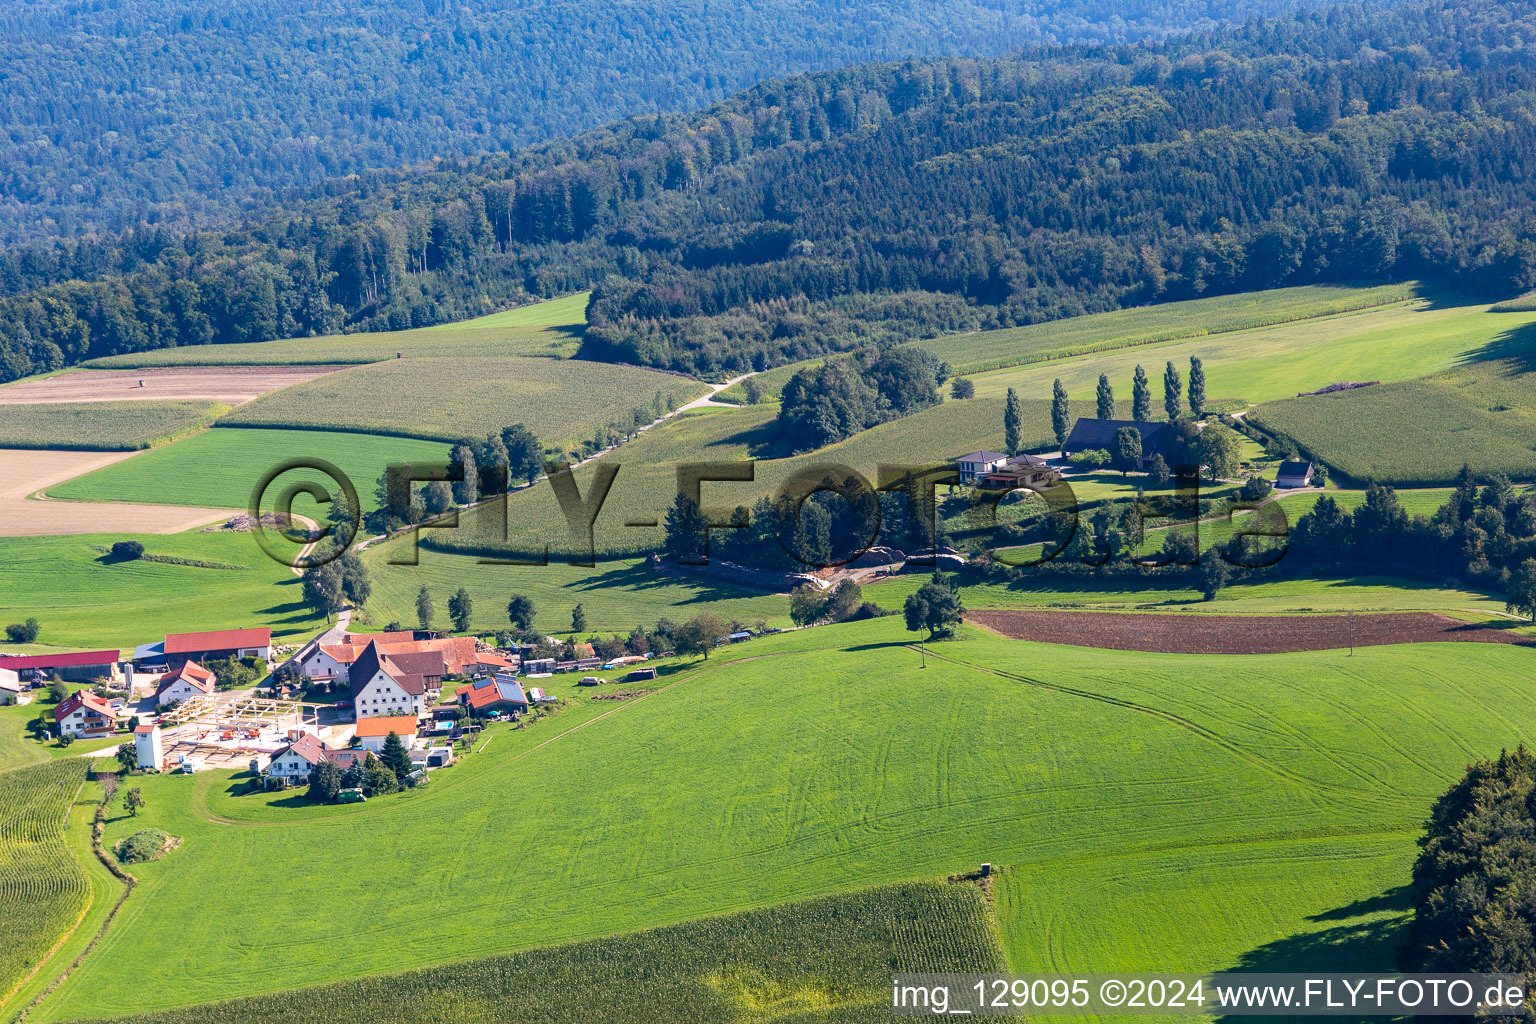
(1197, 633)
(231, 385)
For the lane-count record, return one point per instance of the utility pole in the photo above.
(922, 645)
(1351, 634)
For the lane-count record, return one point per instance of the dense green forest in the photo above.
(183, 112)
(828, 211)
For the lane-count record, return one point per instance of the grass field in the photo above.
(833, 764)
(614, 595)
(43, 891)
(567, 311)
(1483, 413)
(561, 400)
(647, 480)
(102, 426)
(1390, 343)
(219, 468)
(86, 601)
(548, 329)
(816, 962)
(1147, 325)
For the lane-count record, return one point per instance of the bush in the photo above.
(22, 632)
(143, 845)
(127, 550)
(1255, 488)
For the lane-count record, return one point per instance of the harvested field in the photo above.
(231, 385)
(1235, 634)
(26, 472)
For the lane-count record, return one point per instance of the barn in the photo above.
(1089, 435)
(81, 667)
(217, 645)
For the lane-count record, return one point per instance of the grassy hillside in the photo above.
(1147, 325)
(1389, 343)
(825, 961)
(647, 480)
(563, 400)
(1482, 412)
(551, 329)
(85, 600)
(614, 595)
(220, 467)
(834, 764)
(102, 426)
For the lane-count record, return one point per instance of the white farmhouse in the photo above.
(294, 762)
(191, 680)
(385, 684)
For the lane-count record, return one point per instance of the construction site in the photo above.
(232, 732)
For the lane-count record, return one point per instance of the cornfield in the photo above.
(103, 426)
(821, 960)
(42, 889)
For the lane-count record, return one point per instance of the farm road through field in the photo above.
(1197, 633)
(231, 385)
(24, 472)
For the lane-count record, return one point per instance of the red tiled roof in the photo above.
(46, 661)
(307, 746)
(217, 640)
(85, 699)
(146, 728)
(192, 673)
(401, 725)
(399, 636)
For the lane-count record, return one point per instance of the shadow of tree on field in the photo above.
(1515, 347)
(1365, 939)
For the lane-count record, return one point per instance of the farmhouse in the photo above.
(373, 733)
(386, 684)
(181, 648)
(82, 667)
(1028, 471)
(503, 693)
(1293, 474)
(294, 762)
(83, 713)
(191, 680)
(976, 465)
(326, 662)
(1089, 434)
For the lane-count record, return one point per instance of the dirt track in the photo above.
(1196, 633)
(231, 385)
(25, 472)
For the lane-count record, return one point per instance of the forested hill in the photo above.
(889, 201)
(184, 111)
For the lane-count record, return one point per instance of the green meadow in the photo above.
(220, 467)
(1112, 785)
(646, 482)
(822, 961)
(1395, 342)
(1482, 412)
(103, 426)
(614, 595)
(549, 329)
(86, 600)
(563, 400)
(1154, 324)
